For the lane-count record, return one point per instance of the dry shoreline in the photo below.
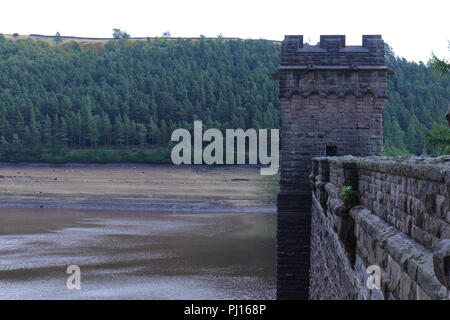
(139, 187)
(111, 206)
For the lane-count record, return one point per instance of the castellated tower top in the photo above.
(331, 98)
(331, 52)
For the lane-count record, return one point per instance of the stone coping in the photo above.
(413, 259)
(434, 169)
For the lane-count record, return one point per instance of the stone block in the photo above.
(441, 262)
(441, 205)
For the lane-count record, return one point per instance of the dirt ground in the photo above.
(129, 186)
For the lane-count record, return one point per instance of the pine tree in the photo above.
(141, 132)
(3, 141)
(153, 133)
(47, 131)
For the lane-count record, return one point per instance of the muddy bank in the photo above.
(136, 255)
(136, 187)
(157, 232)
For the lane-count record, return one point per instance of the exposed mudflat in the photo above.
(191, 233)
(135, 187)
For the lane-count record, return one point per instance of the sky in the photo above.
(414, 29)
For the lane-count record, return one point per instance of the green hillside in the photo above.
(417, 98)
(120, 101)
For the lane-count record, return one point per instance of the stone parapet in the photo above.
(400, 223)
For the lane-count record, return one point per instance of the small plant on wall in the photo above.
(349, 195)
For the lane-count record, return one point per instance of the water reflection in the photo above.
(137, 255)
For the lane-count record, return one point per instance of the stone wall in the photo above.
(399, 222)
(331, 100)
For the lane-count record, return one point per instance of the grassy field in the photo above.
(101, 41)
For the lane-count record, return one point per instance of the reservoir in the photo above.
(134, 254)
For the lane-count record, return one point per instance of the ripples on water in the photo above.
(137, 255)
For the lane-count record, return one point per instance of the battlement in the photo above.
(331, 100)
(332, 51)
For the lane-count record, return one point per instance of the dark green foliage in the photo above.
(440, 66)
(58, 38)
(57, 100)
(439, 138)
(119, 34)
(417, 99)
(349, 195)
(13, 153)
(72, 103)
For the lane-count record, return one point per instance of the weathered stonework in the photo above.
(401, 224)
(331, 99)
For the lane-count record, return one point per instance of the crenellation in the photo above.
(332, 52)
(331, 98)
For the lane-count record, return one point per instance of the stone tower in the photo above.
(331, 99)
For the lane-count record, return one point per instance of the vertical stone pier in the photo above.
(331, 99)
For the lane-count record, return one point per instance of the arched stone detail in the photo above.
(331, 111)
(312, 103)
(297, 101)
(328, 115)
(350, 100)
(368, 103)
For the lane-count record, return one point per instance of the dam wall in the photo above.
(380, 228)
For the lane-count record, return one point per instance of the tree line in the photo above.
(418, 100)
(72, 102)
(130, 94)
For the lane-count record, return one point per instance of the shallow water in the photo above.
(136, 255)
